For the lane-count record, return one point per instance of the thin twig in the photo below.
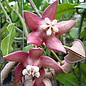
(34, 7)
(7, 17)
(56, 57)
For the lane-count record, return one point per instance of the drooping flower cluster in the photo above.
(44, 30)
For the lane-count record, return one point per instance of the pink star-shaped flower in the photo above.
(32, 64)
(46, 28)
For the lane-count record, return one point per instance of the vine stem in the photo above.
(21, 19)
(56, 57)
(35, 8)
(66, 47)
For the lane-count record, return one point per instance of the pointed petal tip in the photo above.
(65, 26)
(32, 20)
(16, 56)
(55, 44)
(60, 50)
(73, 21)
(50, 10)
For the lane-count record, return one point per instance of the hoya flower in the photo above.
(46, 28)
(32, 64)
(76, 52)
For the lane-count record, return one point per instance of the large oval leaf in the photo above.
(6, 43)
(74, 32)
(67, 79)
(65, 10)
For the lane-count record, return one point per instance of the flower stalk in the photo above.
(56, 57)
(6, 70)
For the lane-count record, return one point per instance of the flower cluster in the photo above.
(45, 30)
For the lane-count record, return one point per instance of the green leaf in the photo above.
(6, 43)
(83, 69)
(37, 3)
(81, 6)
(13, 14)
(65, 10)
(26, 48)
(84, 44)
(83, 33)
(70, 1)
(67, 79)
(74, 32)
(27, 7)
(3, 31)
(44, 5)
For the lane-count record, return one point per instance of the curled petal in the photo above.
(34, 38)
(65, 26)
(16, 56)
(54, 43)
(18, 72)
(32, 20)
(48, 62)
(35, 53)
(76, 52)
(50, 10)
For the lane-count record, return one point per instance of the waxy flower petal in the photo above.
(35, 53)
(65, 26)
(54, 43)
(46, 61)
(17, 56)
(18, 72)
(34, 38)
(32, 20)
(50, 11)
(76, 52)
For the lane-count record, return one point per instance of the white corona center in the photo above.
(49, 26)
(31, 71)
